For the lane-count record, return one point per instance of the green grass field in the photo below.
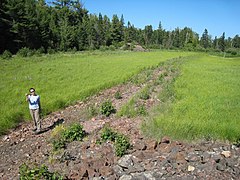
(62, 79)
(207, 101)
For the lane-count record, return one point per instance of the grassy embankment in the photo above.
(62, 79)
(206, 103)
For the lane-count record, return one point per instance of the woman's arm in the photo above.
(27, 99)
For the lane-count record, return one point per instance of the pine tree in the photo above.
(176, 38)
(205, 39)
(6, 37)
(236, 41)
(221, 42)
(116, 30)
(148, 33)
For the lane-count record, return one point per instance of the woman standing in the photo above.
(34, 106)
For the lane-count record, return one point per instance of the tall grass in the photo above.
(63, 79)
(207, 101)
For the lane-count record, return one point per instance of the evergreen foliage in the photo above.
(63, 25)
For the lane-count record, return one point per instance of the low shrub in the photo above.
(112, 48)
(117, 95)
(61, 136)
(107, 108)
(232, 51)
(144, 94)
(51, 51)
(103, 48)
(59, 143)
(108, 134)
(25, 52)
(121, 142)
(128, 109)
(36, 172)
(6, 54)
(141, 110)
(74, 132)
(92, 111)
(237, 142)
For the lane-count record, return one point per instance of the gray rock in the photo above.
(119, 171)
(217, 158)
(220, 167)
(205, 157)
(126, 177)
(139, 176)
(193, 157)
(126, 161)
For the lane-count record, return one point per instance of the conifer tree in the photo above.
(221, 42)
(205, 40)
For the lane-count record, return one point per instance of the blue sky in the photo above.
(217, 16)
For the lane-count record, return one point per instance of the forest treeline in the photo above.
(66, 25)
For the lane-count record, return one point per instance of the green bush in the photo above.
(50, 50)
(144, 94)
(237, 142)
(39, 52)
(92, 111)
(74, 132)
(232, 51)
(117, 95)
(25, 52)
(108, 134)
(62, 136)
(141, 110)
(6, 54)
(42, 172)
(121, 144)
(107, 108)
(112, 48)
(59, 143)
(103, 48)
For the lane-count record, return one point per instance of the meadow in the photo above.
(206, 102)
(63, 79)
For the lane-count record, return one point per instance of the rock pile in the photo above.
(149, 159)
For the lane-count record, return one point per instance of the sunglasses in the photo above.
(31, 91)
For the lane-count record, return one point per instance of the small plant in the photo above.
(117, 95)
(50, 50)
(42, 172)
(128, 109)
(57, 131)
(108, 134)
(107, 108)
(58, 144)
(161, 78)
(141, 110)
(121, 142)
(74, 133)
(25, 52)
(6, 54)
(144, 95)
(61, 136)
(92, 111)
(237, 142)
(121, 145)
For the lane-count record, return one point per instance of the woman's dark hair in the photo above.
(31, 89)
